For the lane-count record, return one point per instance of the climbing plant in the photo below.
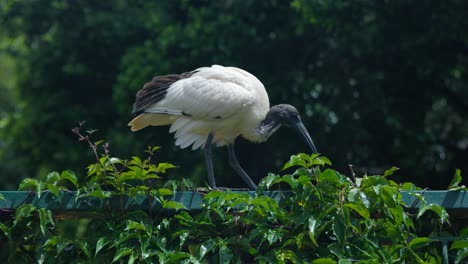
(323, 216)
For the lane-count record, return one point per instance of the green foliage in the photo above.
(367, 76)
(322, 217)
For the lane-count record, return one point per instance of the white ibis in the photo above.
(213, 105)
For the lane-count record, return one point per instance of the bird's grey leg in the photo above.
(236, 166)
(209, 160)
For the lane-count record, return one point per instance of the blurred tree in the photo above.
(379, 83)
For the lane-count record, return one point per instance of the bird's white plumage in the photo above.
(227, 101)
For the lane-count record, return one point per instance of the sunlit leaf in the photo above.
(359, 208)
(461, 255)
(70, 176)
(294, 160)
(323, 261)
(164, 192)
(286, 256)
(122, 252)
(270, 180)
(312, 224)
(28, 184)
(100, 244)
(457, 244)
(331, 176)
(457, 178)
(134, 225)
(53, 177)
(132, 258)
(321, 161)
(438, 209)
(129, 175)
(173, 205)
(54, 190)
(419, 242)
(288, 179)
(45, 218)
(390, 171)
(6, 230)
(40, 188)
(162, 167)
(23, 211)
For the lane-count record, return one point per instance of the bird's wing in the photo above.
(155, 90)
(209, 93)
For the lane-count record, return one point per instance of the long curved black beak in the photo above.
(299, 127)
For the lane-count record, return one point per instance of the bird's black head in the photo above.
(283, 114)
(286, 115)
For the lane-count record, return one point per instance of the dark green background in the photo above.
(379, 83)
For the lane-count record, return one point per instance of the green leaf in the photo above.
(419, 242)
(270, 179)
(135, 225)
(70, 176)
(173, 205)
(390, 171)
(271, 236)
(459, 244)
(213, 194)
(320, 160)
(288, 179)
(339, 230)
(457, 178)
(2, 197)
(58, 242)
(130, 175)
(40, 188)
(331, 176)
(312, 225)
(29, 184)
(132, 258)
(336, 251)
(438, 209)
(136, 161)
(153, 149)
(323, 261)
(164, 192)
(122, 252)
(177, 256)
(23, 211)
(295, 160)
(98, 194)
(54, 190)
(162, 167)
(286, 256)
(359, 208)
(100, 244)
(461, 255)
(45, 217)
(225, 254)
(206, 247)
(6, 230)
(83, 245)
(53, 177)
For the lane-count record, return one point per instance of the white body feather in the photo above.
(227, 101)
